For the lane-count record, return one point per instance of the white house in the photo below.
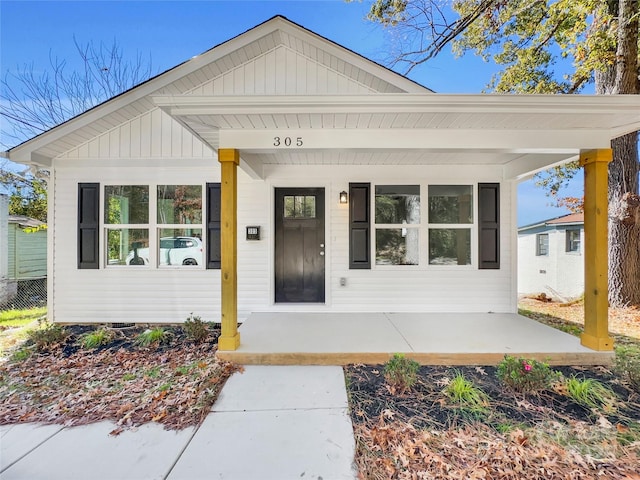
(312, 180)
(550, 257)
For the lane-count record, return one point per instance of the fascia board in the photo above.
(406, 102)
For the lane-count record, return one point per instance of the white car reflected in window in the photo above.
(173, 251)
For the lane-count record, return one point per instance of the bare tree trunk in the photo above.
(624, 202)
(624, 223)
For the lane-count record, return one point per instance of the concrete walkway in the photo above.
(269, 422)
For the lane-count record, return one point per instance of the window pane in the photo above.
(309, 206)
(126, 204)
(127, 246)
(573, 240)
(179, 204)
(289, 206)
(397, 246)
(299, 206)
(542, 244)
(450, 204)
(180, 246)
(398, 204)
(449, 246)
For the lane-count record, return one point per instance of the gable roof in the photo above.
(191, 74)
(576, 219)
(567, 219)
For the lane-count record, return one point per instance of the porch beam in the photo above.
(567, 142)
(229, 160)
(596, 302)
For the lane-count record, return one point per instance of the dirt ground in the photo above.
(622, 321)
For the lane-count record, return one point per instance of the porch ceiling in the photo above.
(522, 133)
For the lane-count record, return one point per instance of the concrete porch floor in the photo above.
(430, 338)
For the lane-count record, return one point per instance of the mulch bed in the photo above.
(173, 383)
(546, 435)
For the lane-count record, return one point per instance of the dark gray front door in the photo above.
(299, 244)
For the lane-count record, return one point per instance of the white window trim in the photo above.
(423, 226)
(153, 226)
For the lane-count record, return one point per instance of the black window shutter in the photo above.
(489, 225)
(213, 226)
(359, 226)
(88, 225)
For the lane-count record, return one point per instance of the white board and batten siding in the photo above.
(283, 71)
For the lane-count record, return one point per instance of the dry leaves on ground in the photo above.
(622, 321)
(174, 386)
(543, 436)
(397, 450)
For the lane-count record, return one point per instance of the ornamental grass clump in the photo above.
(590, 393)
(525, 375)
(153, 337)
(465, 396)
(96, 338)
(401, 373)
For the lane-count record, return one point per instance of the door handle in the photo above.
(321, 253)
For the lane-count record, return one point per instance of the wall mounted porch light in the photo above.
(344, 197)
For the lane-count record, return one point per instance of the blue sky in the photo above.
(170, 32)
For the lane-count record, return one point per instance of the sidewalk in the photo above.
(268, 423)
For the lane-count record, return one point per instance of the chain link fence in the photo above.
(23, 294)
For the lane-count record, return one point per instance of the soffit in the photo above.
(526, 132)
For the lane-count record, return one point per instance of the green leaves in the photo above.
(27, 194)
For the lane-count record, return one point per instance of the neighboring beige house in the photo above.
(551, 257)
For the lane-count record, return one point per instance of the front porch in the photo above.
(429, 338)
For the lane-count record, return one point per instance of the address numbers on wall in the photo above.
(288, 142)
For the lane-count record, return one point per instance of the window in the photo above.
(300, 206)
(179, 215)
(573, 240)
(450, 217)
(403, 232)
(126, 217)
(397, 222)
(178, 225)
(542, 244)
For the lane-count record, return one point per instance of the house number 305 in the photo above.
(287, 142)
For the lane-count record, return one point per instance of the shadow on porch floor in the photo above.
(430, 338)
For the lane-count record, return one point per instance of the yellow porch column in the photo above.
(596, 302)
(229, 160)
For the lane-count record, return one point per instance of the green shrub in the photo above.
(627, 365)
(401, 373)
(153, 337)
(525, 375)
(96, 338)
(195, 329)
(47, 336)
(463, 394)
(590, 393)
